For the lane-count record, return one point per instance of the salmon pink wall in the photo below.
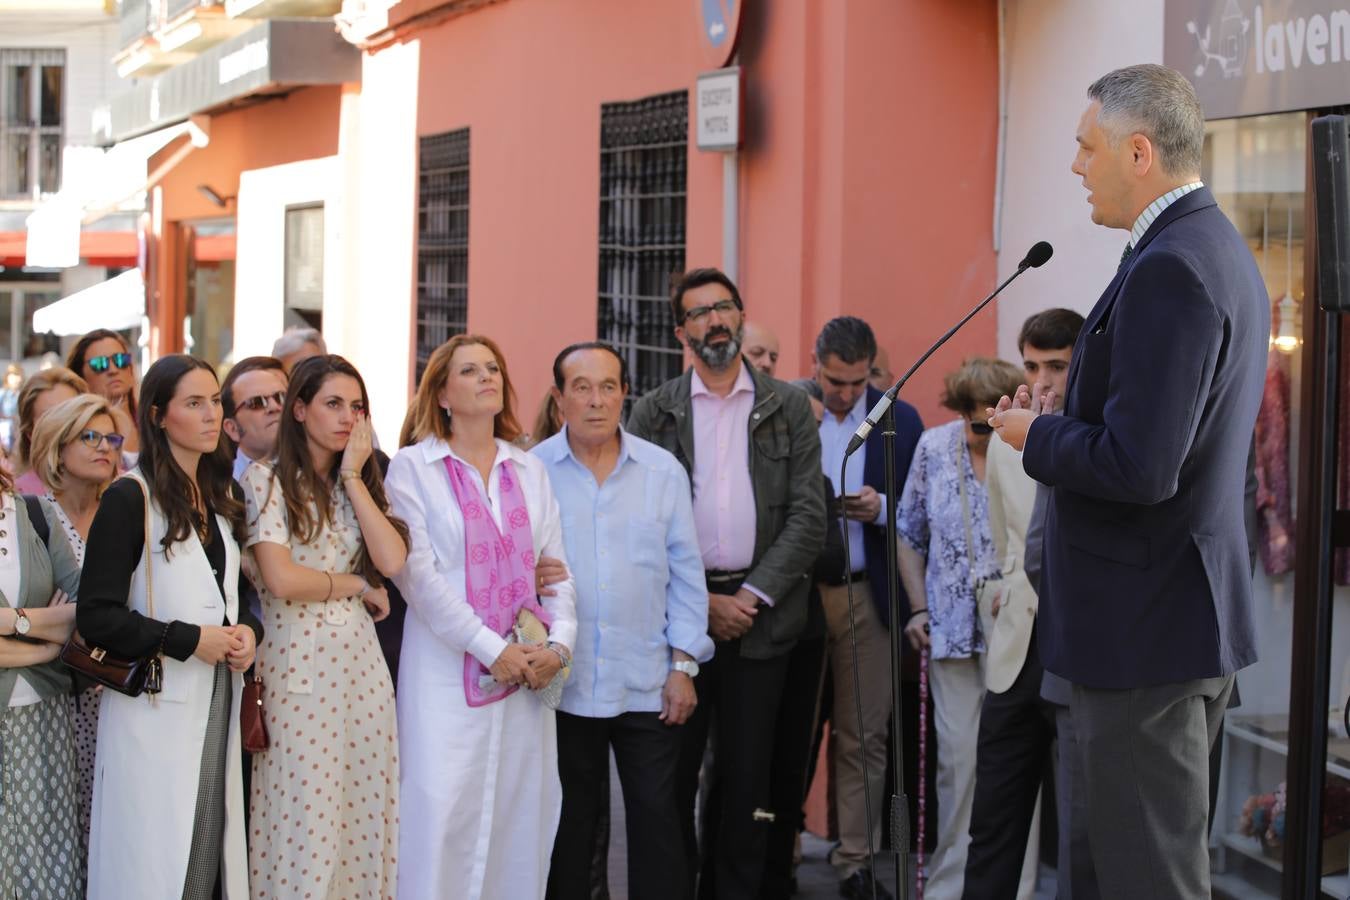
(867, 173)
(920, 131)
(301, 125)
(528, 78)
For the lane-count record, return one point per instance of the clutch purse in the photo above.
(252, 728)
(530, 630)
(132, 676)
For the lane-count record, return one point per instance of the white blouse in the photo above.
(24, 693)
(432, 581)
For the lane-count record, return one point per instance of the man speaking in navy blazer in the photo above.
(1146, 592)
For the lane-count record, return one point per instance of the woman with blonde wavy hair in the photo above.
(40, 393)
(76, 449)
(480, 794)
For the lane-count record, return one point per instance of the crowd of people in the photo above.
(451, 642)
(691, 589)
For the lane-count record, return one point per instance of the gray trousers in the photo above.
(1145, 763)
(1077, 880)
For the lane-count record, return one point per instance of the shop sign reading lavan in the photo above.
(1250, 57)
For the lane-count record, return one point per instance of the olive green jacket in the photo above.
(789, 499)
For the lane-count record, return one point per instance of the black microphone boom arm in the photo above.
(1035, 258)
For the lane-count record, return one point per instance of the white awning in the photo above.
(117, 304)
(95, 182)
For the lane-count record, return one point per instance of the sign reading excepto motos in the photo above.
(1250, 57)
(717, 108)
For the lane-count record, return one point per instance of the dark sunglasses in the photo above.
(259, 403)
(100, 364)
(95, 439)
(981, 428)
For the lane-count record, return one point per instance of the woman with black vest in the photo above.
(163, 577)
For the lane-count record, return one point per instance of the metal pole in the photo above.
(731, 215)
(899, 802)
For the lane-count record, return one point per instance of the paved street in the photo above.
(815, 878)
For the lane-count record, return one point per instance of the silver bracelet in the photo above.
(563, 657)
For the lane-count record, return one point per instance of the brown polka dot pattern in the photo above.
(323, 816)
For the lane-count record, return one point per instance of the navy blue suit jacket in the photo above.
(1145, 576)
(908, 427)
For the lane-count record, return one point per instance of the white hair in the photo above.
(292, 339)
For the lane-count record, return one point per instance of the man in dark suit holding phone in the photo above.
(844, 353)
(1146, 592)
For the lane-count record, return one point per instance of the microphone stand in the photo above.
(899, 801)
(883, 413)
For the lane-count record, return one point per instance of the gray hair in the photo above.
(848, 339)
(1160, 104)
(292, 339)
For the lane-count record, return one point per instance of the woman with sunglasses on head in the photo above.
(76, 449)
(946, 550)
(480, 795)
(39, 394)
(103, 359)
(168, 813)
(322, 542)
(41, 846)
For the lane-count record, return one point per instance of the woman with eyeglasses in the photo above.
(103, 359)
(40, 393)
(946, 550)
(168, 812)
(322, 543)
(76, 449)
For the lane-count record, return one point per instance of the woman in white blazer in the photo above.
(168, 813)
(480, 794)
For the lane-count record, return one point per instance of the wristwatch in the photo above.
(22, 624)
(687, 666)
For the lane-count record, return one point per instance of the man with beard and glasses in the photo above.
(752, 450)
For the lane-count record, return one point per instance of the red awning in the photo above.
(97, 248)
(214, 247)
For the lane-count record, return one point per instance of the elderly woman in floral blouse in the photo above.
(945, 549)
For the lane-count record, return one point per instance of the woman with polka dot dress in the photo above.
(324, 813)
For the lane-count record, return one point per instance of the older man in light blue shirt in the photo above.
(642, 611)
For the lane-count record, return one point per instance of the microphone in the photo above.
(1037, 256)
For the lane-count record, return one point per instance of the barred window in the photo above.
(32, 89)
(442, 241)
(643, 160)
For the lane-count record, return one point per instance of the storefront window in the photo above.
(1257, 169)
(1336, 796)
(210, 325)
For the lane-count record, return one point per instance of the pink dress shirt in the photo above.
(724, 498)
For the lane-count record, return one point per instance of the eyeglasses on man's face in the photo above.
(101, 364)
(723, 308)
(95, 440)
(259, 403)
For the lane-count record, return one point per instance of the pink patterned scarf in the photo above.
(498, 567)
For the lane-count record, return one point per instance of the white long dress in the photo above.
(479, 788)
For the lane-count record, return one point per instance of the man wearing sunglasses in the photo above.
(251, 399)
